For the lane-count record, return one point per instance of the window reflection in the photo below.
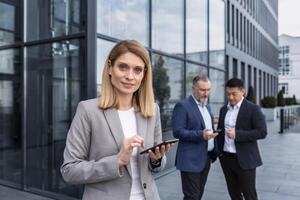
(217, 34)
(217, 94)
(168, 86)
(52, 18)
(54, 84)
(192, 70)
(103, 49)
(167, 26)
(10, 117)
(196, 33)
(9, 22)
(124, 19)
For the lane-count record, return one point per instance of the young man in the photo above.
(242, 124)
(193, 125)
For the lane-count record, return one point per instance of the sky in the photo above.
(289, 17)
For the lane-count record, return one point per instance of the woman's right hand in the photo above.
(127, 148)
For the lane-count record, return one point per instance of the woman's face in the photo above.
(127, 73)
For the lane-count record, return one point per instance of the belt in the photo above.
(228, 154)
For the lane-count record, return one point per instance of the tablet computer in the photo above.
(160, 144)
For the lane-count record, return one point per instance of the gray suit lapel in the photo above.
(114, 123)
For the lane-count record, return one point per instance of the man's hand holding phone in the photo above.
(209, 134)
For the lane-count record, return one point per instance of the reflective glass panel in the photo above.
(54, 88)
(167, 26)
(10, 117)
(9, 22)
(217, 34)
(192, 70)
(196, 30)
(103, 49)
(124, 19)
(168, 90)
(217, 94)
(52, 18)
(168, 86)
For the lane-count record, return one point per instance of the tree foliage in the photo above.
(251, 95)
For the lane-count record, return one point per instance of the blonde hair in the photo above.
(143, 98)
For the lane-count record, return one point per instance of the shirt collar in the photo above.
(238, 105)
(202, 104)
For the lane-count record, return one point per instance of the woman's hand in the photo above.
(159, 152)
(127, 147)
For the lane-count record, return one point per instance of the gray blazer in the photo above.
(92, 145)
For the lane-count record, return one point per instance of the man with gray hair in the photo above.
(192, 124)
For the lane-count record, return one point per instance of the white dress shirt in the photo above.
(207, 121)
(230, 122)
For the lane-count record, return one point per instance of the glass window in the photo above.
(10, 117)
(196, 30)
(192, 70)
(167, 26)
(103, 49)
(168, 90)
(55, 86)
(9, 22)
(168, 86)
(124, 19)
(217, 34)
(216, 98)
(234, 68)
(52, 18)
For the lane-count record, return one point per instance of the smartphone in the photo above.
(218, 131)
(172, 141)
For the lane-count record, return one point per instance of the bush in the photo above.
(251, 95)
(268, 102)
(295, 100)
(289, 101)
(280, 99)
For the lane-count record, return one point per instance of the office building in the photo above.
(289, 66)
(252, 44)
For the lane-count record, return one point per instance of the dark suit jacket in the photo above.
(188, 124)
(250, 127)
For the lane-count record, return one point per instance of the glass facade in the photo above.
(164, 15)
(196, 31)
(52, 18)
(124, 19)
(10, 24)
(10, 117)
(53, 82)
(45, 71)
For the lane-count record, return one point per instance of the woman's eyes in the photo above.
(126, 68)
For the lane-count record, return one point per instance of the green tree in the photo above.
(251, 95)
(280, 99)
(161, 88)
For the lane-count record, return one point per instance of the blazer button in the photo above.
(145, 185)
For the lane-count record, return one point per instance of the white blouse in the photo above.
(128, 122)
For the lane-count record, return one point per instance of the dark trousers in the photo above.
(193, 182)
(240, 182)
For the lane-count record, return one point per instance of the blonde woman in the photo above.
(107, 134)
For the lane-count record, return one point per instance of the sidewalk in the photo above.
(277, 179)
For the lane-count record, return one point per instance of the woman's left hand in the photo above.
(159, 152)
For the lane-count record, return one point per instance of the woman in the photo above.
(107, 134)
